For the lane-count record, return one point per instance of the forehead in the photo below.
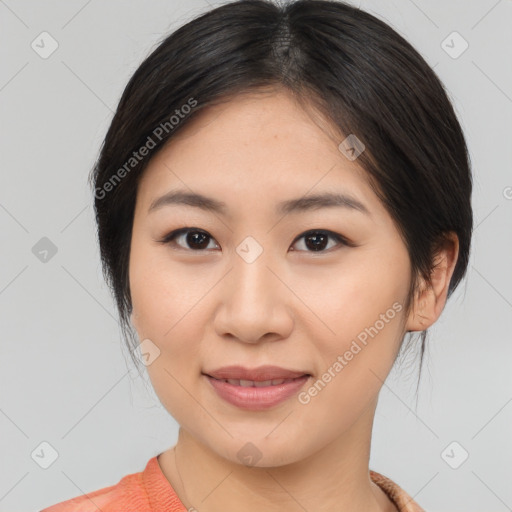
(259, 148)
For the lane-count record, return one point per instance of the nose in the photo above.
(255, 302)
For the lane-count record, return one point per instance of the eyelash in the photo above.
(170, 238)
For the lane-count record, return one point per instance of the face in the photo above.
(317, 290)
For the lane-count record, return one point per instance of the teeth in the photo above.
(256, 384)
(263, 383)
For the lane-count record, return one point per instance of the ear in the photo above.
(430, 301)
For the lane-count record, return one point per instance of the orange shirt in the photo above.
(150, 491)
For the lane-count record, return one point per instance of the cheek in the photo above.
(348, 298)
(163, 304)
(167, 308)
(359, 318)
(352, 369)
(162, 293)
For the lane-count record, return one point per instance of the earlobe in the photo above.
(430, 301)
(418, 320)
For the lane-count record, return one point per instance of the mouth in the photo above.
(256, 389)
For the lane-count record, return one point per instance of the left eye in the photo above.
(197, 239)
(317, 240)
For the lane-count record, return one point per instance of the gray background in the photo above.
(66, 378)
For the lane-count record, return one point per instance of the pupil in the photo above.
(316, 245)
(192, 239)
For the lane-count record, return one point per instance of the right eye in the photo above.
(196, 239)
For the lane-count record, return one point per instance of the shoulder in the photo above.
(128, 492)
(395, 493)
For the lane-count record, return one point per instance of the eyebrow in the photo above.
(301, 204)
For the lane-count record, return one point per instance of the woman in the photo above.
(283, 195)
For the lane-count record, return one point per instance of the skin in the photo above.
(295, 308)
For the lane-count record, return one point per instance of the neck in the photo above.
(334, 479)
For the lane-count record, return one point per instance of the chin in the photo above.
(259, 450)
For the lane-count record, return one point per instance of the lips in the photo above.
(256, 389)
(256, 398)
(255, 376)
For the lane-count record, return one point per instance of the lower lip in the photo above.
(256, 399)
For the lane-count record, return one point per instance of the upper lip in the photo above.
(259, 374)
